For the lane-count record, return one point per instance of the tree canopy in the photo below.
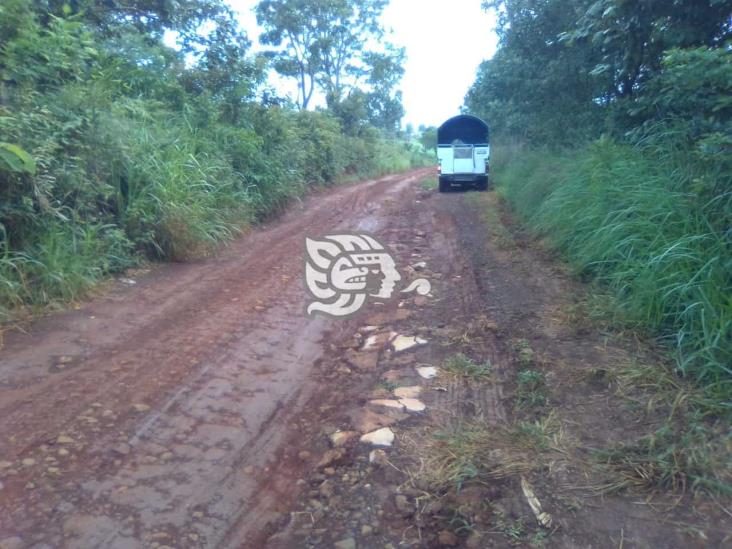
(563, 65)
(337, 47)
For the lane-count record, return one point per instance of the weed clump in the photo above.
(531, 389)
(461, 366)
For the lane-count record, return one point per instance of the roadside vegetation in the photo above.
(115, 147)
(617, 152)
(688, 451)
(461, 366)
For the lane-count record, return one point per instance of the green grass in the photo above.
(388, 385)
(530, 389)
(167, 189)
(650, 225)
(688, 445)
(62, 263)
(524, 352)
(460, 453)
(428, 184)
(678, 456)
(545, 433)
(461, 366)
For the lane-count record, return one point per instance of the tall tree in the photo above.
(325, 44)
(223, 67)
(289, 25)
(633, 36)
(152, 17)
(535, 83)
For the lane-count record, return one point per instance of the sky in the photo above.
(445, 41)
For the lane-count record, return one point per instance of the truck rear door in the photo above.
(481, 158)
(444, 156)
(463, 159)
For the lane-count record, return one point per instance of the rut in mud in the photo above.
(197, 408)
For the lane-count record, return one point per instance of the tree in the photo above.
(428, 138)
(384, 104)
(323, 43)
(224, 69)
(586, 61)
(535, 83)
(289, 24)
(151, 17)
(633, 36)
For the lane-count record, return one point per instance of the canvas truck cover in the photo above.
(463, 128)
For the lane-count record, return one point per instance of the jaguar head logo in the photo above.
(342, 271)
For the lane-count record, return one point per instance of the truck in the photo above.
(463, 153)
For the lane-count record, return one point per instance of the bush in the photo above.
(113, 150)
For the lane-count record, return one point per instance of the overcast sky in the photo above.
(445, 41)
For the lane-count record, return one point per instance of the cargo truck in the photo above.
(463, 153)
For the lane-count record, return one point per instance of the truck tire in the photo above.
(483, 184)
(444, 185)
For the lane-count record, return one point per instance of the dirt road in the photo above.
(164, 392)
(194, 407)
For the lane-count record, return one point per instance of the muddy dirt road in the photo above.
(196, 407)
(142, 409)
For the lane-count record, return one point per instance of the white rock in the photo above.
(348, 543)
(407, 392)
(63, 439)
(419, 265)
(402, 342)
(387, 403)
(427, 372)
(380, 437)
(141, 407)
(413, 405)
(369, 343)
(122, 449)
(376, 341)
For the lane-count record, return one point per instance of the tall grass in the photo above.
(651, 224)
(63, 262)
(113, 148)
(145, 181)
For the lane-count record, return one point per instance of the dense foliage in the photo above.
(332, 45)
(114, 146)
(613, 122)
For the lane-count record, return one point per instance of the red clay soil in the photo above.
(194, 408)
(164, 392)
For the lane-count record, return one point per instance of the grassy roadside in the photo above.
(663, 438)
(181, 216)
(658, 261)
(116, 148)
(650, 226)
